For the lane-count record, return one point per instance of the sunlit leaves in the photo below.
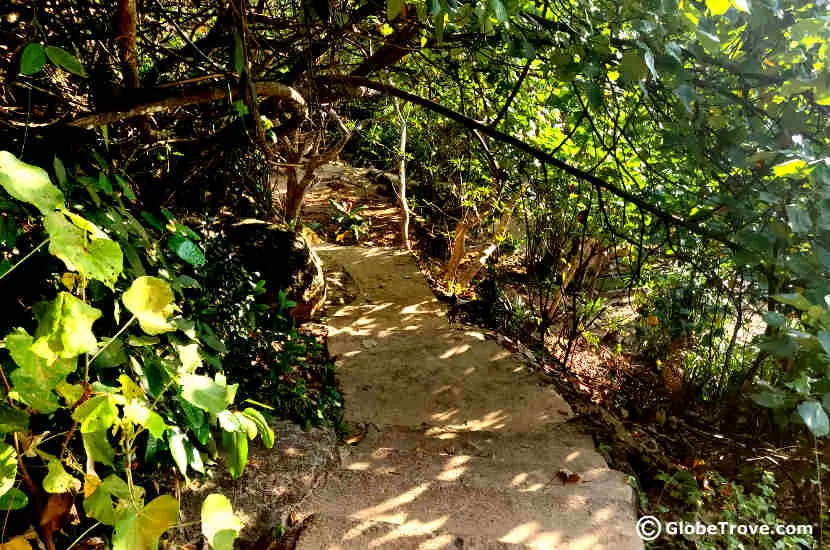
(141, 529)
(36, 378)
(8, 467)
(58, 481)
(98, 501)
(262, 426)
(207, 394)
(29, 184)
(219, 524)
(150, 299)
(790, 168)
(83, 249)
(65, 328)
(718, 7)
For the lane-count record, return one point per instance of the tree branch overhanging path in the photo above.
(357, 86)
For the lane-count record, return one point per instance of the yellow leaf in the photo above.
(68, 280)
(340, 236)
(17, 543)
(91, 483)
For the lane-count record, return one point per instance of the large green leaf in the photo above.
(815, 417)
(96, 414)
(99, 504)
(394, 8)
(15, 499)
(36, 377)
(29, 184)
(187, 250)
(141, 530)
(94, 256)
(58, 481)
(201, 391)
(235, 445)
(8, 467)
(98, 447)
(177, 439)
(65, 60)
(219, 524)
(65, 328)
(150, 299)
(33, 59)
(265, 431)
(12, 420)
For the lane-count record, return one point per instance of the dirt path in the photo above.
(462, 445)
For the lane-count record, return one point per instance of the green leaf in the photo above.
(394, 8)
(8, 467)
(58, 481)
(796, 300)
(98, 447)
(95, 257)
(33, 59)
(65, 60)
(220, 525)
(176, 439)
(499, 11)
(686, 94)
(12, 420)
(815, 417)
(99, 505)
(15, 499)
(799, 219)
(824, 340)
(60, 171)
(189, 356)
(209, 337)
(138, 412)
(235, 445)
(36, 377)
(29, 184)
(633, 67)
(112, 355)
(265, 431)
(718, 7)
(64, 330)
(125, 187)
(141, 531)
(780, 345)
(201, 391)
(187, 250)
(150, 299)
(96, 414)
(71, 393)
(789, 169)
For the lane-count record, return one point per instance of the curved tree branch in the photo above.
(358, 86)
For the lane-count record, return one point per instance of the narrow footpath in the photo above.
(460, 444)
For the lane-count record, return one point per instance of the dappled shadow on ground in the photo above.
(472, 444)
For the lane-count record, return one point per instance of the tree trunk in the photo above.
(127, 28)
(402, 177)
